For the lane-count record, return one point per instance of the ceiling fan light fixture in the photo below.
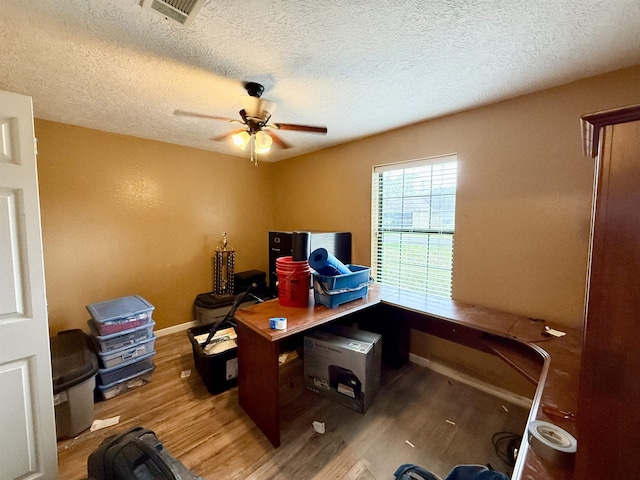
(263, 142)
(241, 139)
(255, 116)
(257, 108)
(267, 107)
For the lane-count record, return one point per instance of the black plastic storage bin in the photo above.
(73, 366)
(243, 280)
(210, 308)
(219, 372)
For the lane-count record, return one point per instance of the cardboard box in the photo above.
(343, 364)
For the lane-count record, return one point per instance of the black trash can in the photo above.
(211, 308)
(74, 366)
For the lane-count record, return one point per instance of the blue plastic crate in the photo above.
(333, 291)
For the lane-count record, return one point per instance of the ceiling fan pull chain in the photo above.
(254, 153)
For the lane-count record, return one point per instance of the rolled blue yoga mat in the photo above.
(320, 259)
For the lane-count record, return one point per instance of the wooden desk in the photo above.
(259, 347)
(553, 362)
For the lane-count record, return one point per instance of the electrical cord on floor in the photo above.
(506, 445)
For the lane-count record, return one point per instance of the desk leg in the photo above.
(258, 385)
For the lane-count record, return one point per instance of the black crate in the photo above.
(244, 280)
(219, 372)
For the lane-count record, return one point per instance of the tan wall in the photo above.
(523, 202)
(124, 216)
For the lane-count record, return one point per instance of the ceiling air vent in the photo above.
(181, 11)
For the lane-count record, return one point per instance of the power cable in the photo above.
(506, 445)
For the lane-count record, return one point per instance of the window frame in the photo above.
(430, 274)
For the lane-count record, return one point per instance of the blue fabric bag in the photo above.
(460, 472)
(475, 472)
(413, 472)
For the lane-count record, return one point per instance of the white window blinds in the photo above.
(413, 212)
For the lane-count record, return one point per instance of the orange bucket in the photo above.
(294, 282)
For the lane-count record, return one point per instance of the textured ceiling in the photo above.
(359, 67)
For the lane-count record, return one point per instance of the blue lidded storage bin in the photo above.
(116, 341)
(125, 384)
(125, 313)
(333, 291)
(133, 367)
(121, 355)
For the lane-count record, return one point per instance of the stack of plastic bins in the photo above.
(122, 332)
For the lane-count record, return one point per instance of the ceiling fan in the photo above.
(254, 117)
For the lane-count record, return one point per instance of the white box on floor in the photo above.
(343, 364)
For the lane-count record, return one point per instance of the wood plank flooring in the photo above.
(448, 423)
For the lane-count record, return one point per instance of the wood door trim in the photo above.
(593, 123)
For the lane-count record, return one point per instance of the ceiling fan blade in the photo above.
(182, 113)
(300, 128)
(278, 141)
(224, 136)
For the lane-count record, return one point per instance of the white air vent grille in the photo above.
(181, 11)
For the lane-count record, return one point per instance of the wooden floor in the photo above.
(418, 417)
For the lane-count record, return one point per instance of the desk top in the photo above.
(300, 319)
(557, 389)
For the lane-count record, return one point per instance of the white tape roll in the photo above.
(278, 323)
(550, 441)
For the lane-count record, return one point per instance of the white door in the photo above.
(27, 424)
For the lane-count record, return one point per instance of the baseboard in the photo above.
(462, 377)
(175, 329)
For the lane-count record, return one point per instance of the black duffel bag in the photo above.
(136, 454)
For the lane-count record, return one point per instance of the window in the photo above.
(413, 212)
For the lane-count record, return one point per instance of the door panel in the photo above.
(11, 295)
(27, 425)
(17, 411)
